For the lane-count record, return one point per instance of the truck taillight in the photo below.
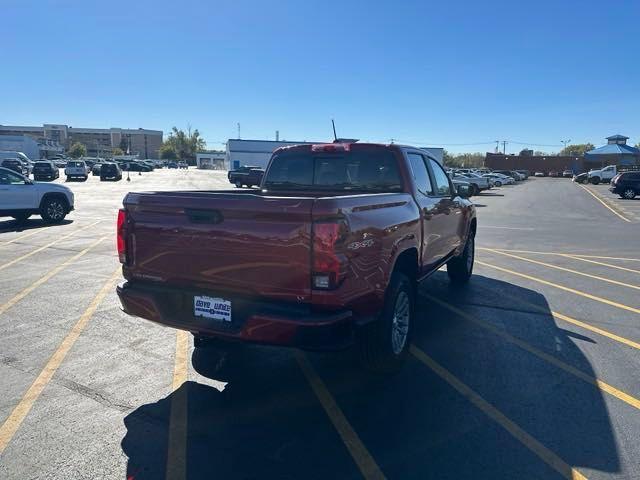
(328, 266)
(121, 241)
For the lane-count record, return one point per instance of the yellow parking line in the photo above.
(19, 413)
(576, 272)
(563, 254)
(17, 239)
(546, 455)
(177, 444)
(562, 287)
(367, 465)
(605, 387)
(603, 203)
(2, 267)
(586, 326)
(618, 267)
(11, 302)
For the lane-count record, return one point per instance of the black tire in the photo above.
(382, 349)
(21, 217)
(460, 268)
(498, 183)
(85, 178)
(53, 209)
(238, 184)
(475, 190)
(629, 194)
(595, 180)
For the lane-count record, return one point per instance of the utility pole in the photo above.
(504, 147)
(565, 142)
(238, 130)
(497, 146)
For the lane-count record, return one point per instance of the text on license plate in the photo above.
(210, 307)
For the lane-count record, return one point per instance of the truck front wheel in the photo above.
(384, 343)
(460, 268)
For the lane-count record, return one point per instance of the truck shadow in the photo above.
(253, 414)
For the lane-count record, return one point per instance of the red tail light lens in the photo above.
(328, 263)
(121, 241)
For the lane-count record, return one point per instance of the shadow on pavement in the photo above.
(267, 423)
(31, 223)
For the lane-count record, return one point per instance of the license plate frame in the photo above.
(213, 308)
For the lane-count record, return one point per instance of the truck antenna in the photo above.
(335, 137)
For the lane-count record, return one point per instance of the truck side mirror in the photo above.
(464, 190)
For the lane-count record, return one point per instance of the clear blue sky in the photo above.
(441, 72)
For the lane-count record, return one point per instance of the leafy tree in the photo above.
(118, 151)
(168, 152)
(186, 144)
(77, 150)
(475, 159)
(578, 149)
(124, 145)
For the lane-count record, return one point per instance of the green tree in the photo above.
(124, 144)
(168, 152)
(578, 149)
(118, 151)
(186, 144)
(475, 159)
(77, 150)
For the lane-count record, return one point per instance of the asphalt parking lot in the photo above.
(531, 371)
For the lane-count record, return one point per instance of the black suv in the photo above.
(626, 184)
(45, 171)
(110, 171)
(15, 165)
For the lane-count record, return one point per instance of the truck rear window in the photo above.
(365, 170)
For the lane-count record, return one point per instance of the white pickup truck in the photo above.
(21, 197)
(603, 175)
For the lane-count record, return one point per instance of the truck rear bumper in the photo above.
(272, 323)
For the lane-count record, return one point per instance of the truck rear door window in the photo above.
(349, 171)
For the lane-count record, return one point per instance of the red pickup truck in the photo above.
(328, 253)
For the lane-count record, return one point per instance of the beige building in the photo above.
(99, 141)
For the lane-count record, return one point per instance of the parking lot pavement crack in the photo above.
(93, 394)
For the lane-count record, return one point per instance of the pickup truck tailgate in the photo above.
(222, 242)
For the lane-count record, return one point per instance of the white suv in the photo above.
(20, 198)
(76, 169)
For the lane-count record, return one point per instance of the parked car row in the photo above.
(480, 179)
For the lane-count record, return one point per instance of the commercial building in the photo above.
(212, 160)
(535, 163)
(615, 152)
(99, 141)
(258, 152)
(32, 148)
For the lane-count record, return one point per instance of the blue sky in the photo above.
(439, 73)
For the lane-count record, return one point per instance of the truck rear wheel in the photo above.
(595, 180)
(384, 344)
(460, 268)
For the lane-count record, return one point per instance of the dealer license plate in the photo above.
(210, 307)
